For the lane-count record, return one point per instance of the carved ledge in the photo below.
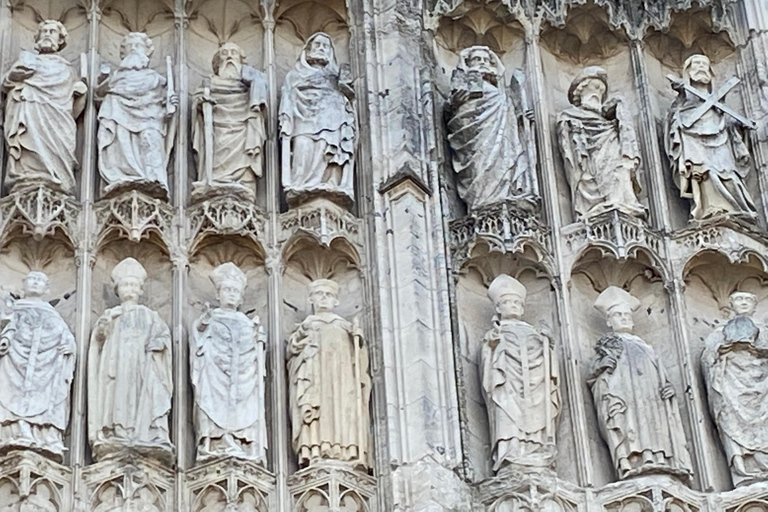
(225, 215)
(732, 237)
(501, 228)
(615, 233)
(230, 484)
(128, 483)
(39, 212)
(330, 485)
(648, 491)
(322, 220)
(29, 481)
(529, 491)
(134, 216)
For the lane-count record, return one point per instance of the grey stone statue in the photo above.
(37, 363)
(136, 120)
(706, 149)
(317, 126)
(329, 383)
(635, 401)
(599, 148)
(44, 97)
(228, 368)
(129, 373)
(489, 157)
(735, 367)
(229, 130)
(520, 382)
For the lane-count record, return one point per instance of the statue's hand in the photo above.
(609, 363)
(667, 392)
(173, 102)
(20, 73)
(307, 413)
(4, 346)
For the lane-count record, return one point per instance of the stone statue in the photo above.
(228, 368)
(44, 97)
(520, 382)
(37, 363)
(229, 130)
(136, 120)
(317, 126)
(599, 148)
(706, 149)
(329, 383)
(635, 401)
(129, 373)
(489, 158)
(735, 367)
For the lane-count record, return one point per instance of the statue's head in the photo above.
(51, 36)
(482, 60)
(319, 50)
(228, 61)
(230, 283)
(698, 70)
(589, 89)
(135, 51)
(324, 295)
(508, 295)
(618, 307)
(35, 284)
(743, 303)
(128, 277)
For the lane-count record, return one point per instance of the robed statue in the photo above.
(329, 383)
(37, 363)
(491, 158)
(136, 121)
(129, 373)
(735, 367)
(317, 126)
(705, 145)
(228, 365)
(229, 127)
(599, 148)
(636, 406)
(44, 97)
(520, 383)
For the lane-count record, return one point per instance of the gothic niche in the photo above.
(586, 37)
(622, 328)
(490, 449)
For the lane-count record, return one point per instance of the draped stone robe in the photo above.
(643, 432)
(39, 128)
(710, 161)
(132, 130)
(317, 123)
(35, 378)
(239, 131)
(600, 156)
(514, 383)
(488, 157)
(735, 367)
(228, 378)
(325, 396)
(129, 382)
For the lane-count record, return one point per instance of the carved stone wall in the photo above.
(412, 260)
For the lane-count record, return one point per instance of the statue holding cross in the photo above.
(705, 145)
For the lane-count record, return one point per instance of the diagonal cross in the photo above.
(713, 100)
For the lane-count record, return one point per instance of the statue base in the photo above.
(153, 189)
(296, 198)
(202, 191)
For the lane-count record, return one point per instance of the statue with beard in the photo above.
(44, 97)
(134, 139)
(317, 126)
(735, 367)
(599, 148)
(706, 148)
(489, 159)
(229, 129)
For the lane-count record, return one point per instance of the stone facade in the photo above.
(302, 256)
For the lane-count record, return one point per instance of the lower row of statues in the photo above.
(635, 402)
(130, 385)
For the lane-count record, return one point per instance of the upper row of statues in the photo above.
(489, 126)
(137, 117)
